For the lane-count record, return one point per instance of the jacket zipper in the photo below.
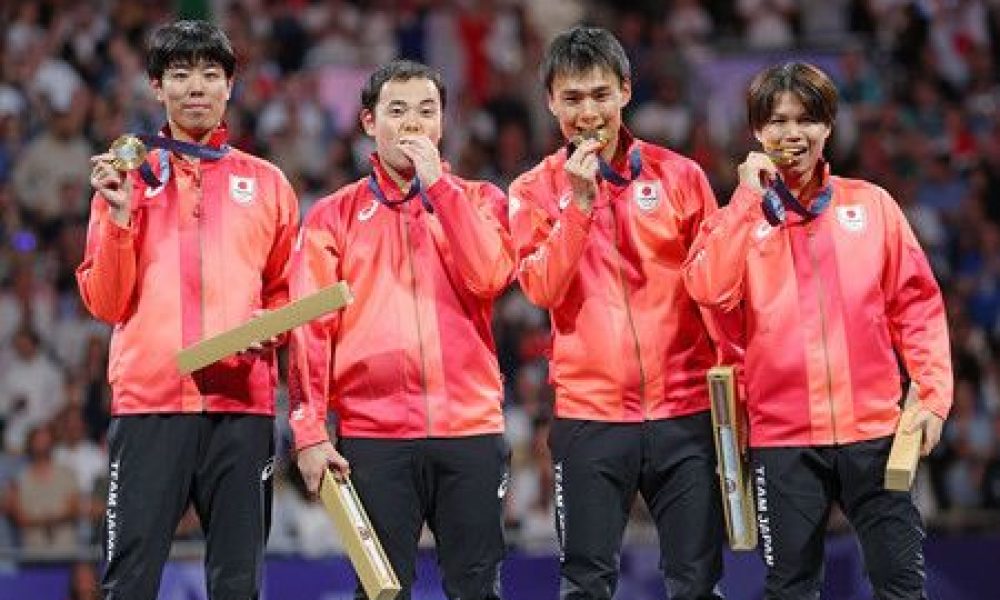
(810, 236)
(201, 259)
(628, 314)
(416, 312)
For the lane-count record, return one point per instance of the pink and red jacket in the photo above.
(828, 302)
(202, 253)
(629, 343)
(413, 355)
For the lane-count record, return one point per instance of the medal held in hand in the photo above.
(129, 153)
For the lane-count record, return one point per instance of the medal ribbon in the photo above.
(777, 197)
(199, 151)
(415, 189)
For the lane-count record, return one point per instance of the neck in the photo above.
(803, 186)
(401, 179)
(613, 150)
(194, 137)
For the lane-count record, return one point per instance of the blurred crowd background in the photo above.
(920, 115)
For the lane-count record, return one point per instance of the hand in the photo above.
(581, 168)
(314, 460)
(757, 171)
(425, 157)
(932, 426)
(114, 186)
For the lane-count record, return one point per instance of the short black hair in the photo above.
(399, 70)
(579, 50)
(807, 82)
(188, 42)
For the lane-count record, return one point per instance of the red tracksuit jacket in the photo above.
(199, 257)
(629, 343)
(827, 303)
(413, 355)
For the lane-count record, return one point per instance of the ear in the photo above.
(759, 135)
(368, 121)
(229, 89)
(626, 91)
(552, 104)
(157, 85)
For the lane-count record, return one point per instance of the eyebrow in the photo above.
(579, 90)
(189, 64)
(402, 103)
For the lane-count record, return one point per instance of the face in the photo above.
(404, 108)
(796, 134)
(587, 101)
(195, 97)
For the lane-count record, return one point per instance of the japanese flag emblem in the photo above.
(241, 189)
(852, 217)
(647, 195)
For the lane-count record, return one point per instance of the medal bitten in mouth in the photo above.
(782, 157)
(600, 134)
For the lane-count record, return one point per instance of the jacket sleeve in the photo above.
(724, 327)
(915, 312)
(716, 263)
(548, 250)
(107, 275)
(475, 226)
(315, 264)
(275, 274)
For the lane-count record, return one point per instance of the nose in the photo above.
(196, 84)
(588, 111)
(792, 132)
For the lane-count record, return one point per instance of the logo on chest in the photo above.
(241, 189)
(646, 195)
(564, 200)
(852, 217)
(762, 230)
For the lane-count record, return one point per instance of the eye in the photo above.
(395, 111)
(428, 112)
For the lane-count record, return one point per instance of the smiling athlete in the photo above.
(199, 253)
(833, 287)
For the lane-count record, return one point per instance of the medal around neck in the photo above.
(129, 153)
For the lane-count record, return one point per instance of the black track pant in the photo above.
(456, 485)
(222, 464)
(795, 490)
(600, 466)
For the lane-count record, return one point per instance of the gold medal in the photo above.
(599, 134)
(129, 152)
(782, 157)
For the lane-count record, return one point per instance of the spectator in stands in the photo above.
(45, 500)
